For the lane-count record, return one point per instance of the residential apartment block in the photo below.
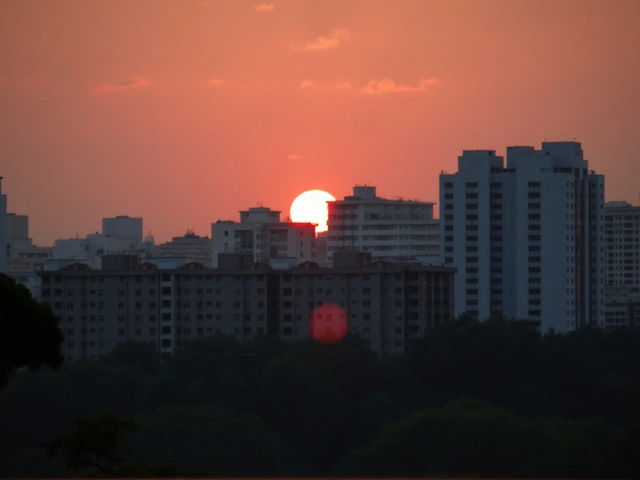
(622, 244)
(622, 307)
(622, 264)
(261, 234)
(386, 228)
(167, 304)
(3, 231)
(526, 238)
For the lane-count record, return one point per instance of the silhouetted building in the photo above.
(386, 228)
(191, 246)
(3, 231)
(526, 239)
(123, 226)
(165, 304)
(622, 307)
(261, 234)
(622, 244)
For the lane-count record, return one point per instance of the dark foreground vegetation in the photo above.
(490, 399)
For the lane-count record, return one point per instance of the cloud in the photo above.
(308, 84)
(264, 7)
(388, 85)
(296, 156)
(216, 82)
(338, 36)
(133, 82)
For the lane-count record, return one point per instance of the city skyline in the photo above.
(194, 110)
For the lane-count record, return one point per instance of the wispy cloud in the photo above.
(388, 85)
(338, 36)
(309, 84)
(133, 82)
(264, 7)
(216, 82)
(297, 156)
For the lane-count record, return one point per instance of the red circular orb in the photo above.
(328, 323)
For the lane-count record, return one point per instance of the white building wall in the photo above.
(386, 228)
(539, 234)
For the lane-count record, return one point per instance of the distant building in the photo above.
(526, 239)
(622, 244)
(166, 303)
(93, 247)
(261, 234)
(386, 228)
(123, 227)
(191, 246)
(622, 307)
(3, 231)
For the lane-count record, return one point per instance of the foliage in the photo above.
(93, 443)
(472, 399)
(29, 332)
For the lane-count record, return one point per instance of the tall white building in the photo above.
(261, 234)
(527, 239)
(3, 230)
(387, 228)
(123, 226)
(622, 244)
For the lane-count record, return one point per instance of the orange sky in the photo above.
(186, 111)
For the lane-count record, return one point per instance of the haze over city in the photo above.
(184, 112)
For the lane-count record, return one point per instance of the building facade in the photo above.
(123, 226)
(191, 246)
(526, 239)
(166, 304)
(261, 234)
(386, 228)
(622, 307)
(3, 231)
(622, 244)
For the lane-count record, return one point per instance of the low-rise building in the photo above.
(165, 305)
(191, 246)
(261, 234)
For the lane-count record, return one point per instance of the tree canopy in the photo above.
(29, 333)
(489, 399)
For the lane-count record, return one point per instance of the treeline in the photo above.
(488, 399)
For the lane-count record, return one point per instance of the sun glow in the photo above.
(311, 206)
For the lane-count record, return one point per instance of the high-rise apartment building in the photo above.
(261, 234)
(166, 302)
(386, 228)
(4, 247)
(526, 239)
(622, 244)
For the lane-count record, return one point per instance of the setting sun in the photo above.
(311, 206)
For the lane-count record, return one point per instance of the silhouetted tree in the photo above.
(93, 443)
(29, 332)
